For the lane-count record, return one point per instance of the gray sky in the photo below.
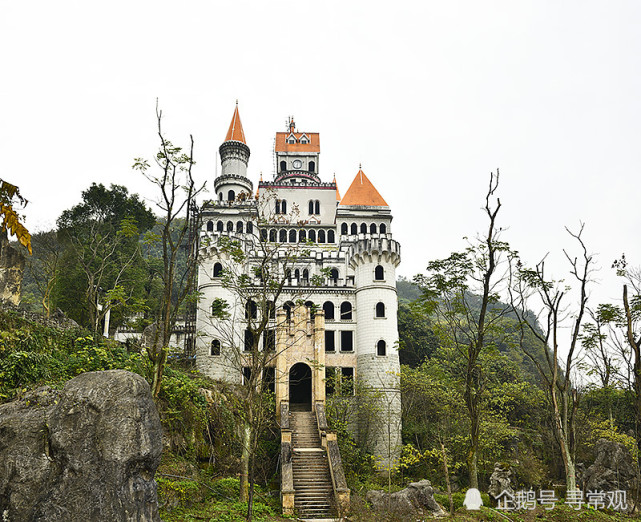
(429, 96)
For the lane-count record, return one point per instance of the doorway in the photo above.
(300, 387)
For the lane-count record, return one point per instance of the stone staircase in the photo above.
(313, 497)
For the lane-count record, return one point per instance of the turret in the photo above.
(234, 156)
(374, 258)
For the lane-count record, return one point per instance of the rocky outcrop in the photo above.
(417, 498)
(613, 469)
(500, 481)
(87, 452)
(11, 270)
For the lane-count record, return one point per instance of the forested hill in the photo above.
(418, 339)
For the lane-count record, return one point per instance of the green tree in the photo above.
(101, 268)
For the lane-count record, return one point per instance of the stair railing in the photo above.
(286, 464)
(329, 442)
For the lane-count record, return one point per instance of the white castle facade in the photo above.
(351, 332)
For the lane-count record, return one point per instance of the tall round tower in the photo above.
(374, 259)
(234, 156)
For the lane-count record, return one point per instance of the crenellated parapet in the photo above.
(370, 249)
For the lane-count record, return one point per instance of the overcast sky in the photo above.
(429, 96)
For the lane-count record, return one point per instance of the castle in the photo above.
(344, 273)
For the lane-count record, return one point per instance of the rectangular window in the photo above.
(330, 380)
(330, 344)
(347, 341)
(269, 379)
(269, 340)
(347, 381)
(247, 373)
(249, 340)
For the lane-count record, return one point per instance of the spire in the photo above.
(235, 132)
(362, 193)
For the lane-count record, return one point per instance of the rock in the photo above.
(613, 469)
(11, 270)
(87, 452)
(417, 498)
(500, 480)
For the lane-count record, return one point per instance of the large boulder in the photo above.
(417, 498)
(500, 481)
(87, 452)
(613, 469)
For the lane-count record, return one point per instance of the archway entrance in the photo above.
(300, 387)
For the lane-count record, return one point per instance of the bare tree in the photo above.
(559, 366)
(177, 193)
(463, 290)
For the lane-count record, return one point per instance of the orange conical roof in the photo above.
(235, 132)
(362, 193)
(338, 194)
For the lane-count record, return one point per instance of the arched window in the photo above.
(328, 308)
(283, 166)
(210, 226)
(321, 236)
(288, 275)
(312, 308)
(311, 207)
(277, 206)
(239, 227)
(215, 347)
(363, 228)
(230, 226)
(220, 226)
(344, 229)
(380, 309)
(220, 196)
(305, 275)
(312, 166)
(292, 236)
(283, 207)
(379, 273)
(317, 207)
(346, 310)
(354, 229)
(297, 274)
(381, 348)
(250, 227)
(251, 310)
(282, 236)
(288, 307)
(218, 270)
(271, 309)
(331, 236)
(312, 235)
(302, 236)
(372, 228)
(231, 195)
(333, 275)
(383, 229)
(272, 235)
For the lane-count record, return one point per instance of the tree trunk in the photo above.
(244, 463)
(472, 408)
(159, 367)
(447, 479)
